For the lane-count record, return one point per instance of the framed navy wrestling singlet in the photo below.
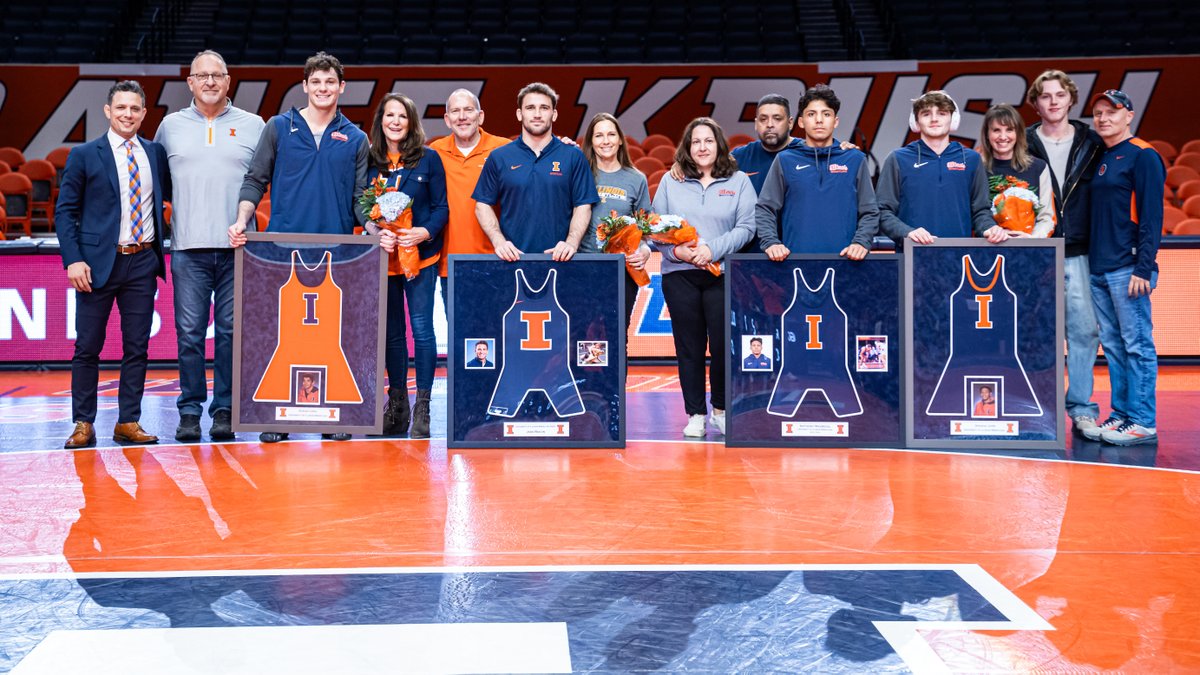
(308, 333)
(814, 354)
(985, 339)
(536, 354)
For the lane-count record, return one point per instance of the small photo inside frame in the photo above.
(308, 387)
(591, 353)
(756, 353)
(480, 353)
(871, 354)
(983, 399)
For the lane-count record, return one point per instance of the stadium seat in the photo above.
(1188, 159)
(656, 176)
(1178, 175)
(18, 196)
(13, 157)
(635, 153)
(1188, 189)
(654, 140)
(649, 165)
(1166, 149)
(262, 217)
(1191, 207)
(5, 168)
(44, 177)
(663, 153)
(58, 157)
(2, 217)
(738, 140)
(1172, 217)
(1191, 227)
(1191, 146)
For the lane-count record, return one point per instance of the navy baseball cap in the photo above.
(1116, 97)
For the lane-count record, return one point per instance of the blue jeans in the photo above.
(1126, 331)
(203, 278)
(1083, 337)
(419, 290)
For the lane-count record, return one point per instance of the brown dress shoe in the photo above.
(132, 432)
(84, 436)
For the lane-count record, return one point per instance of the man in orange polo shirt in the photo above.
(463, 153)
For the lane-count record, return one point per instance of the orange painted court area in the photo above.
(1107, 552)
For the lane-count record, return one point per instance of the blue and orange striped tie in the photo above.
(135, 193)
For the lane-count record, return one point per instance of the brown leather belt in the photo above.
(130, 249)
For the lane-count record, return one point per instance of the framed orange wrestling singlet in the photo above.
(309, 334)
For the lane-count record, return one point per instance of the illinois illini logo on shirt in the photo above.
(1103, 168)
(956, 166)
(838, 168)
(555, 169)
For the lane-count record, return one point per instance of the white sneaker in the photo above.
(1083, 423)
(1130, 434)
(717, 419)
(695, 427)
(1110, 424)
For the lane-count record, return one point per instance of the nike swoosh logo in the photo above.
(514, 167)
(917, 166)
(752, 173)
(799, 168)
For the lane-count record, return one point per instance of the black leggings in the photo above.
(696, 300)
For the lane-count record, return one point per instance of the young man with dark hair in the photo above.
(756, 359)
(110, 231)
(315, 162)
(1127, 216)
(817, 197)
(934, 187)
(543, 187)
(1073, 151)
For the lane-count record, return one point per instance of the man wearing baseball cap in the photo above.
(1127, 215)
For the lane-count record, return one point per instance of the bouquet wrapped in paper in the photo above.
(391, 208)
(673, 230)
(621, 234)
(1014, 205)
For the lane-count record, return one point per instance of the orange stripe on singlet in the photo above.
(971, 278)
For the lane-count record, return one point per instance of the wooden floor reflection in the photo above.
(1109, 554)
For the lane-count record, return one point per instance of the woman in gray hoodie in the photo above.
(718, 200)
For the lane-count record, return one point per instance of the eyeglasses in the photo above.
(205, 77)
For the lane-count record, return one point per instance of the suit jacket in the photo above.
(90, 203)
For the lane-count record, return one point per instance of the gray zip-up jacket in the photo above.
(722, 213)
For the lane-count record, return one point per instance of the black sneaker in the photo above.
(222, 426)
(336, 437)
(272, 437)
(188, 429)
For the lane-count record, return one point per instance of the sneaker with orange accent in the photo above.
(1093, 433)
(1130, 434)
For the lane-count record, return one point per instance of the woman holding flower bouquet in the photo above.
(1020, 187)
(623, 191)
(718, 201)
(405, 204)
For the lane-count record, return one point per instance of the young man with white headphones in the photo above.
(934, 187)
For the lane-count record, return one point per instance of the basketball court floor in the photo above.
(394, 555)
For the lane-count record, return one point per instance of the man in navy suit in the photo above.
(110, 228)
